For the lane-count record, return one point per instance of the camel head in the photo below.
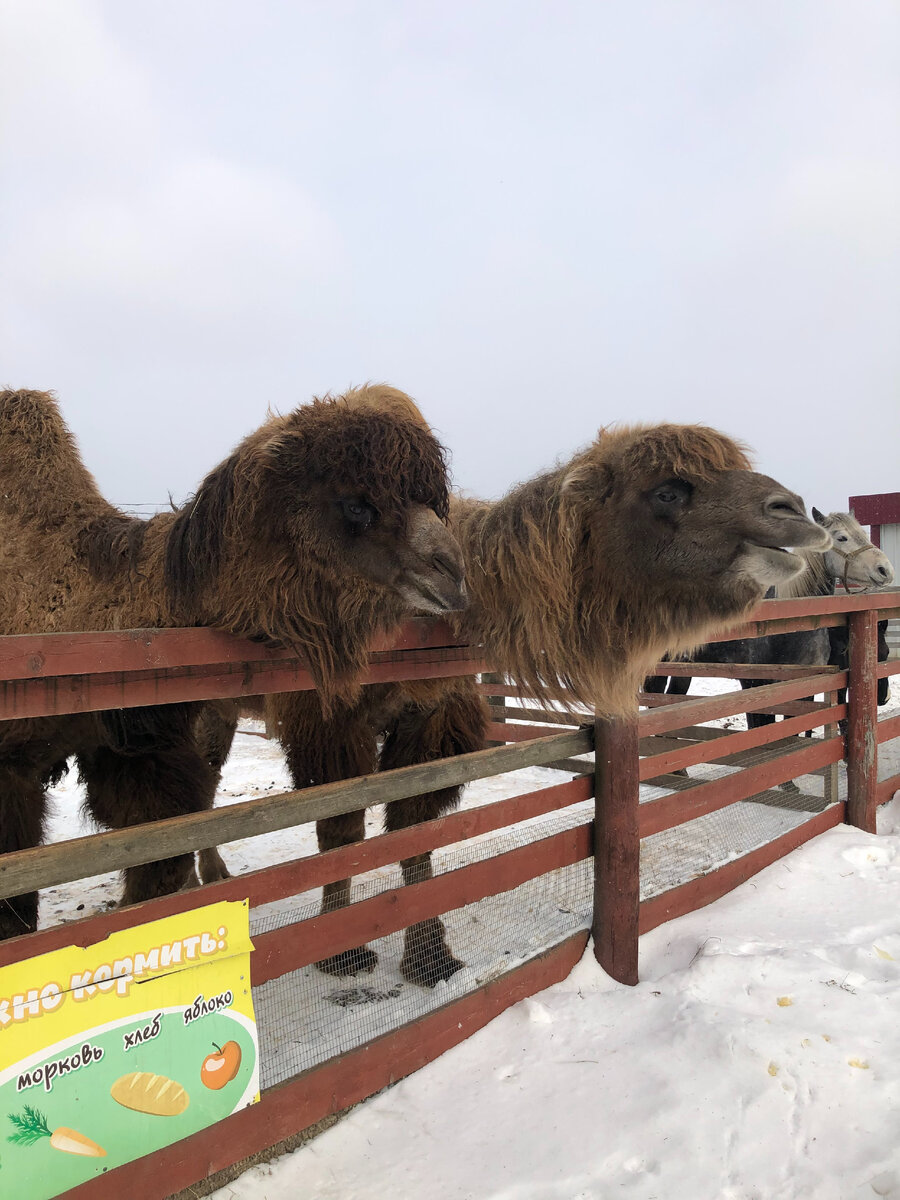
(675, 510)
(671, 537)
(323, 528)
(424, 567)
(851, 557)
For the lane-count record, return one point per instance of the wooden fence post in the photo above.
(832, 777)
(617, 848)
(496, 704)
(862, 718)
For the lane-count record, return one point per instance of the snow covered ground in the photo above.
(758, 1058)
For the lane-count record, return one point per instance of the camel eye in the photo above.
(358, 514)
(668, 497)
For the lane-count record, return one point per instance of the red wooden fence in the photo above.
(82, 672)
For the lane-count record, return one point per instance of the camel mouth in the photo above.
(769, 566)
(814, 538)
(423, 597)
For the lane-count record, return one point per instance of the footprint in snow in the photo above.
(868, 856)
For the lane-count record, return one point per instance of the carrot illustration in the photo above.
(32, 1125)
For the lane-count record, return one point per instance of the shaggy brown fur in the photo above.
(320, 531)
(580, 579)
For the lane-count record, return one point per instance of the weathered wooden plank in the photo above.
(707, 888)
(663, 699)
(841, 603)
(512, 690)
(888, 729)
(708, 708)
(796, 708)
(578, 766)
(862, 719)
(691, 734)
(25, 656)
(617, 849)
(133, 689)
(300, 875)
(40, 655)
(537, 715)
(773, 625)
(508, 731)
(690, 739)
(656, 815)
(887, 788)
(45, 866)
(792, 708)
(294, 946)
(675, 783)
(735, 749)
(336, 1084)
(772, 671)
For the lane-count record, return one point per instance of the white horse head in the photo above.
(853, 558)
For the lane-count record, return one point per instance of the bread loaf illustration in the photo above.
(148, 1093)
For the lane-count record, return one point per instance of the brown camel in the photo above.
(579, 579)
(322, 529)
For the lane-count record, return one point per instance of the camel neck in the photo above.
(516, 556)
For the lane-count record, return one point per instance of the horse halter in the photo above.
(848, 558)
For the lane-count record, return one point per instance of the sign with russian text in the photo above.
(112, 1051)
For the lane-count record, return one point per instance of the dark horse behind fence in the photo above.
(852, 559)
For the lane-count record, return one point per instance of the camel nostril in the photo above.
(446, 566)
(783, 506)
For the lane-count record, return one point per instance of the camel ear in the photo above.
(195, 545)
(587, 482)
(818, 518)
(270, 450)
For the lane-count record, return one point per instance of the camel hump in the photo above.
(381, 397)
(29, 417)
(43, 474)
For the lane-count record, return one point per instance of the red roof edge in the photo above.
(880, 509)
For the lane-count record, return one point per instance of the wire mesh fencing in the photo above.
(311, 1014)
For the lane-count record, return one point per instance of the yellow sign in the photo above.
(110, 1052)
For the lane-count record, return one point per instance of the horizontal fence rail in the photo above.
(668, 811)
(42, 655)
(78, 858)
(62, 694)
(709, 708)
(302, 874)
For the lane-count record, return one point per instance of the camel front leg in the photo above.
(324, 751)
(331, 833)
(214, 729)
(210, 866)
(148, 769)
(456, 725)
(22, 811)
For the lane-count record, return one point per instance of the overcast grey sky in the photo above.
(537, 218)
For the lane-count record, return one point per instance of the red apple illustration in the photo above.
(220, 1068)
